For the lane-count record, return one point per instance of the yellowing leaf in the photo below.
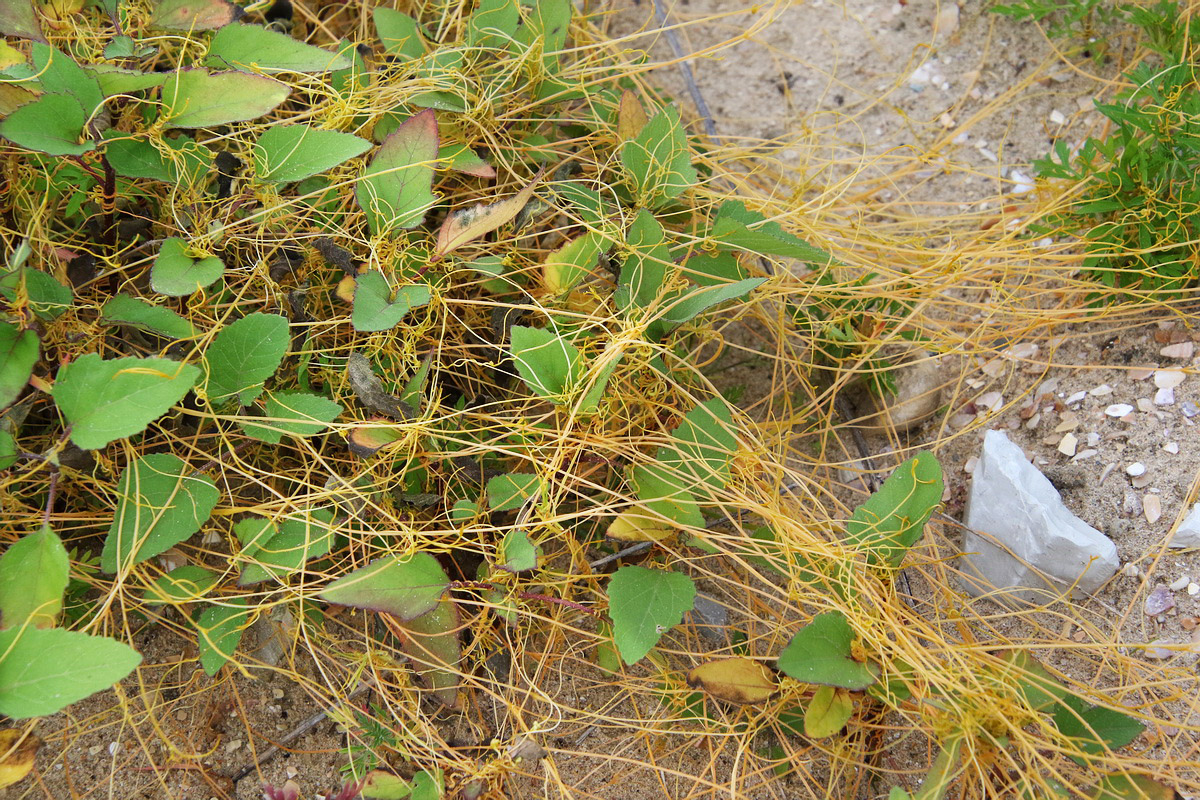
(635, 526)
(17, 750)
(569, 264)
(468, 224)
(735, 680)
(10, 56)
(631, 117)
(828, 712)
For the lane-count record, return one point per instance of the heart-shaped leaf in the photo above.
(568, 265)
(52, 124)
(735, 680)
(657, 160)
(661, 490)
(822, 653)
(644, 604)
(114, 80)
(18, 354)
(244, 355)
(196, 98)
(1094, 729)
(59, 74)
(517, 552)
(181, 161)
(44, 671)
(160, 503)
(509, 492)
(273, 551)
(374, 307)
(287, 153)
(399, 33)
(33, 576)
(107, 400)
(828, 712)
(255, 47)
(396, 188)
(733, 228)
(176, 273)
(548, 364)
(404, 587)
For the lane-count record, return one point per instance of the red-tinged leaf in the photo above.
(17, 19)
(461, 158)
(396, 188)
(403, 587)
(468, 224)
(194, 15)
(431, 641)
(366, 442)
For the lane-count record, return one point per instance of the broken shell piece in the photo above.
(1163, 397)
(1168, 378)
(1068, 444)
(1193, 589)
(1103, 390)
(1135, 469)
(1181, 350)
(1118, 410)
(1141, 481)
(1158, 601)
(1152, 508)
(1078, 397)
(1141, 373)
(1172, 448)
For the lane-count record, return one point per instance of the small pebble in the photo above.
(1193, 589)
(234, 746)
(1164, 397)
(1068, 444)
(1131, 505)
(1103, 390)
(94, 750)
(1151, 508)
(1189, 409)
(1093, 439)
(1119, 410)
(1180, 583)
(1135, 469)
(1168, 378)
(971, 464)
(1057, 118)
(1141, 373)
(990, 401)
(1078, 397)
(1158, 601)
(1182, 350)
(1130, 570)
(1141, 481)
(1159, 650)
(1145, 406)
(1172, 448)
(277, 694)
(1083, 455)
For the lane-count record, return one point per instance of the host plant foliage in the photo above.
(406, 322)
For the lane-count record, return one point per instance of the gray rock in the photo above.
(1188, 532)
(1012, 509)
(710, 618)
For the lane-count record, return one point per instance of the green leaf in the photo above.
(108, 400)
(48, 299)
(702, 447)
(461, 158)
(18, 354)
(52, 124)
(183, 584)
(380, 785)
(396, 188)
(509, 492)
(645, 270)
(180, 161)
(219, 632)
(493, 24)
(255, 47)
(375, 309)
(1033, 682)
(1122, 786)
(1095, 730)
(244, 355)
(287, 153)
(18, 19)
(399, 33)
(114, 80)
(124, 46)
(431, 641)
(697, 302)
(644, 604)
(293, 413)
(568, 265)
(193, 15)
(660, 490)
(196, 98)
(549, 22)
(657, 161)
(44, 671)
(518, 553)
(8, 449)
(59, 74)
(160, 503)
(828, 712)
(732, 228)
(126, 310)
(404, 587)
(548, 364)
(713, 269)
(893, 519)
(274, 552)
(176, 273)
(34, 572)
(821, 653)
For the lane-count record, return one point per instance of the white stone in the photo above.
(1180, 583)
(1135, 469)
(1168, 378)
(1188, 532)
(1014, 507)
(1118, 410)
